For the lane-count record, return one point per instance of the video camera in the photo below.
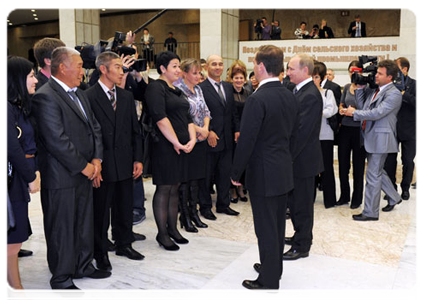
(258, 27)
(368, 72)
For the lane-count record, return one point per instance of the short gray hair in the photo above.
(104, 59)
(59, 56)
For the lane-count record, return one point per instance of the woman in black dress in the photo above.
(169, 110)
(22, 168)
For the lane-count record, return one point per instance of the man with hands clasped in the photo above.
(377, 110)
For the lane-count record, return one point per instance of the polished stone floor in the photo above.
(358, 258)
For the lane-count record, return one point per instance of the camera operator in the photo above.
(377, 111)
(263, 28)
(276, 31)
(406, 129)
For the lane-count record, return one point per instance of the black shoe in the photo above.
(137, 218)
(341, 202)
(24, 253)
(196, 219)
(234, 200)
(103, 263)
(293, 254)
(99, 274)
(414, 185)
(289, 240)
(390, 207)
(243, 199)
(138, 236)
(405, 195)
(229, 211)
(185, 221)
(111, 246)
(253, 285)
(172, 247)
(362, 217)
(354, 206)
(257, 267)
(208, 215)
(71, 292)
(180, 240)
(129, 252)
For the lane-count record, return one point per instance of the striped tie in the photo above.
(112, 98)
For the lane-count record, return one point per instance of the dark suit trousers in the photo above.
(408, 152)
(349, 140)
(328, 177)
(68, 228)
(117, 197)
(269, 214)
(218, 164)
(301, 207)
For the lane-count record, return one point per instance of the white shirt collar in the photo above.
(322, 84)
(106, 89)
(385, 86)
(264, 81)
(64, 85)
(303, 83)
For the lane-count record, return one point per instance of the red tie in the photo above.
(374, 96)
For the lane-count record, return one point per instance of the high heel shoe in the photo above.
(186, 222)
(234, 200)
(196, 219)
(172, 247)
(180, 240)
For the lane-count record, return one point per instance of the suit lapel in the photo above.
(104, 103)
(120, 114)
(214, 92)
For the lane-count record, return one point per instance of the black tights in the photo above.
(165, 209)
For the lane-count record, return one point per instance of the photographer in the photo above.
(377, 110)
(276, 31)
(261, 27)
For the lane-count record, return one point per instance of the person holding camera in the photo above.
(261, 27)
(325, 32)
(377, 110)
(276, 31)
(301, 32)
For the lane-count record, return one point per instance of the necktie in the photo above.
(295, 90)
(219, 91)
(373, 98)
(75, 99)
(112, 98)
(358, 30)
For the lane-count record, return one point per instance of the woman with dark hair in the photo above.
(188, 83)
(326, 136)
(23, 175)
(349, 141)
(169, 111)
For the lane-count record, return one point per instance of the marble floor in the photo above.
(354, 258)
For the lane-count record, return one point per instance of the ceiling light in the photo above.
(34, 15)
(36, 19)
(103, 9)
(33, 10)
(10, 24)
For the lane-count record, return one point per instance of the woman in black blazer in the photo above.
(23, 175)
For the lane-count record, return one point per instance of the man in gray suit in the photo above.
(377, 111)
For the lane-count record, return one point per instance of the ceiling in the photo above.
(26, 16)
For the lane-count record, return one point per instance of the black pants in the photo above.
(116, 197)
(328, 176)
(68, 228)
(349, 141)
(269, 215)
(408, 152)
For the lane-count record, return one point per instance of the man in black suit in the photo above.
(42, 51)
(267, 127)
(225, 121)
(357, 28)
(406, 132)
(307, 155)
(70, 154)
(114, 108)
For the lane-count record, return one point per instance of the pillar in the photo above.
(78, 26)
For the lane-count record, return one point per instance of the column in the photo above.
(408, 37)
(78, 26)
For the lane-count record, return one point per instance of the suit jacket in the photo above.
(352, 32)
(307, 153)
(335, 88)
(406, 125)
(263, 149)
(225, 119)
(67, 140)
(122, 142)
(42, 79)
(380, 135)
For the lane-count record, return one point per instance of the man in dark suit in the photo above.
(42, 51)
(406, 133)
(307, 155)
(357, 28)
(70, 154)
(114, 108)
(268, 125)
(225, 121)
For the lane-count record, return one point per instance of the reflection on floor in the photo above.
(356, 256)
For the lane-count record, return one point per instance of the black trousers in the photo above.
(218, 169)
(68, 229)
(301, 207)
(269, 215)
(349, 141)
(408, 152)
(328, 176)
(116, 197)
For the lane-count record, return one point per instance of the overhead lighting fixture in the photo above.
(36, 19)
(103, 9)
(10, 23)
(33, 10)
(34, 15)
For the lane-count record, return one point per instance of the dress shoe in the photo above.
(341, 202)
(137, 218)
(111, 246)
(24, 253)
(99, 274)
(180, 240)
(103, 263)
(257, 267)
(390, 207)
(405, 195)
(208, 215)
(243, 199)
(138, 236)
(362, 217)
(229, 211)
(414, 185)
(129, 252)
(354, 206)
(234, 200)
(71, 292)
(289, 240)
(293, 254)
(171, 247)
(253, 285)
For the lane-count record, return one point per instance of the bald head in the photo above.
(214, 67)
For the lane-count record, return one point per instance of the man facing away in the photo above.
(267, 127)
